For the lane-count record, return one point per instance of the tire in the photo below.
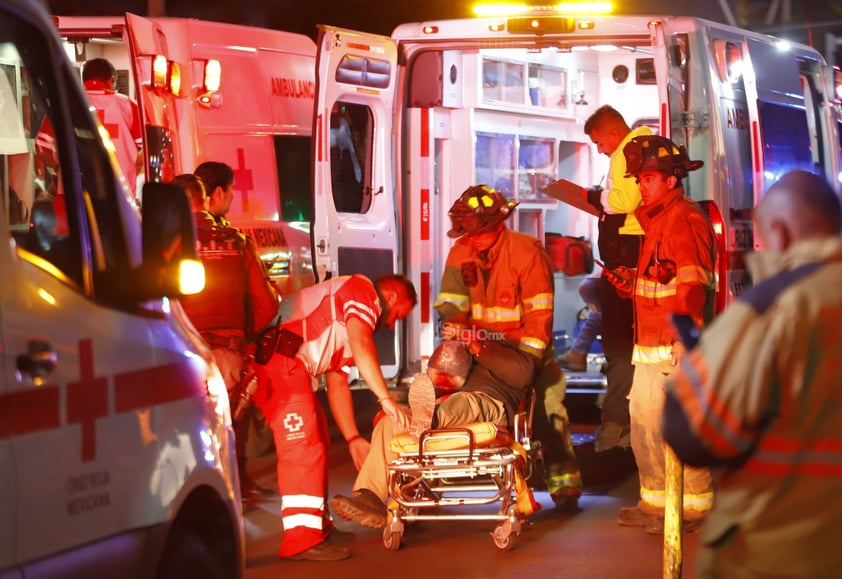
(186, 556)
(504, 539)
(391, 539)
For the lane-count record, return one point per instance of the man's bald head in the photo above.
(799, 206)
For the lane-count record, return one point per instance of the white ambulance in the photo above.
(221, 92)
(115, 433)
(502, 100)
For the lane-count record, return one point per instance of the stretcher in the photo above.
(448, 470)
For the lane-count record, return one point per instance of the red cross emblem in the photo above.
(87, 400)
(243, 180)
(112, 128)
(293, 422)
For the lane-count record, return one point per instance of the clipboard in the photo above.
(572, 194)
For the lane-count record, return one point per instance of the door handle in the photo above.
(39, 361)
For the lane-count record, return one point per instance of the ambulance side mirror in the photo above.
(171, 266)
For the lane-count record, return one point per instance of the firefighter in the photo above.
(758, 398)
(237, 304)
(498, 285)
(674, 275)
(325, 328)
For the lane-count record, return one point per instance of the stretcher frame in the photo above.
(433, 485)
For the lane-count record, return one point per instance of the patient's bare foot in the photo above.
(422, 403)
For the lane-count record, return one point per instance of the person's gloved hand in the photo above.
(622, 279)
(594, 195)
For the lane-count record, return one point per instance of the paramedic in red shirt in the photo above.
(325, 328)
(117, 113)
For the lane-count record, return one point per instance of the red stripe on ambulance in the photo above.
(39, 408)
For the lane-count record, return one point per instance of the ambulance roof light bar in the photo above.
(560, 9)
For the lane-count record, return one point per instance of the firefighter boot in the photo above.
(565, 490)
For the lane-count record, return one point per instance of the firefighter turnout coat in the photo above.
(759, 397)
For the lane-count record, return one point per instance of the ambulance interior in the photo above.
(526, 110)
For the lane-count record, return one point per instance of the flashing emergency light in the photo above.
(212, 78)
(191, 276)
(562, 8)
(166, 75)
(159, 71)
(174, 78)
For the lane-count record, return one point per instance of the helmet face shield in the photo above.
(478, 209)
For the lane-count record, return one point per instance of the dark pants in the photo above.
(618, 337)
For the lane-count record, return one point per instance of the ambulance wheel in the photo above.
(186, 556)
(503, 537)
(391, 539)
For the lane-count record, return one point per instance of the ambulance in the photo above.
(501, 99)
(116, 447)
(237, 94)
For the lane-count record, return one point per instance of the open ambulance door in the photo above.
(780, 136)
(158, 81)
(355, 226)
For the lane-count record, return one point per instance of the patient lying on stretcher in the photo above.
(487, 380)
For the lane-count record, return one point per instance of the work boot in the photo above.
(324, 551)
(573, 360)
(634, 517)
(611, 435)
(365, 508)
(422, 403)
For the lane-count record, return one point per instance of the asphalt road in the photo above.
(584, 545)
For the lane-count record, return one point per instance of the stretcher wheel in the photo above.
(391, 539)
(504, 538)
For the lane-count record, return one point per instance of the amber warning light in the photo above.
(561, 9)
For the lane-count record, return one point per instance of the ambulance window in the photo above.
(30, 169)
(351, 131)
(41, 126)
(786, 139)
(535, 166)
(291, 154)
(495, 162)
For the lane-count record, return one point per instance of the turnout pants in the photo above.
(552, 428)
(646, 404)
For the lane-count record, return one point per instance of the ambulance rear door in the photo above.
(780, 136)
(355, 228)
(157, 80)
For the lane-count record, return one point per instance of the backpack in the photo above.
(570, 255)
